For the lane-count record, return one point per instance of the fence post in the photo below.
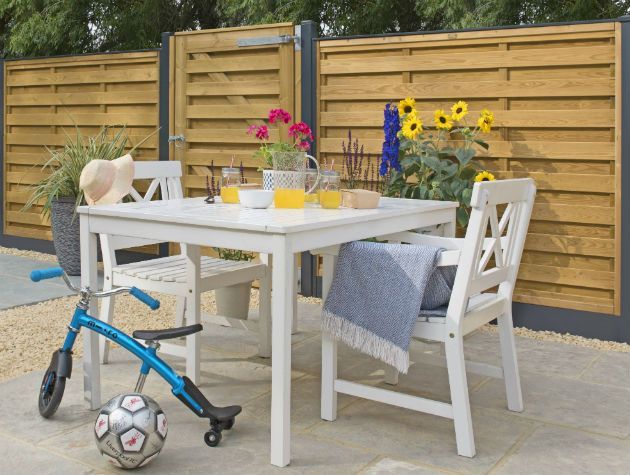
(309, 115)
(164, 113)
(2, 158)
(625, 177)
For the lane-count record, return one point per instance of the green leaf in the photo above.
(482, 143)
(462, 216)
(467, 173)
(464, 155)
(466, 196)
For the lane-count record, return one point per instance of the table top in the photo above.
(194, 212)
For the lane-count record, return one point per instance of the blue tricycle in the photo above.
(60, 368)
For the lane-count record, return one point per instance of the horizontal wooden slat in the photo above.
(81, 98)
(525, 149)
(565, 181)
(226, 136)
(60, 139)
(95, 119)
(574, 214)
(570, 245)
(562, 300)
(251, 111)
(566, 276)
(603, 118)
(39, 77)
(233, 88)
(377, 90)
(262, 62)
(472, 60)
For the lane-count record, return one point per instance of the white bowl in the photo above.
(258, 199)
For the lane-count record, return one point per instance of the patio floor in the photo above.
(576, 418)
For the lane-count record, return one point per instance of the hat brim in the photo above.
(122, 181)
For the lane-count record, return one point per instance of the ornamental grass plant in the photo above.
(435, 163)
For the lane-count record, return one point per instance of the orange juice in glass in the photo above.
(329, 190)
(289, 179)
(230, 182)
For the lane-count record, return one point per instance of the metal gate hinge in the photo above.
(177, 139)
(272, 40)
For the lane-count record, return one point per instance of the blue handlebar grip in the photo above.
(41, 274)
(145, 298)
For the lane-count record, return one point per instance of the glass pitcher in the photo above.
(289, 178)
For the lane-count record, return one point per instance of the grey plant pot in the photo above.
(233, 301)
(66, 236)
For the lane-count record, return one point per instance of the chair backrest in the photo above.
(165, 176)
(494, 242)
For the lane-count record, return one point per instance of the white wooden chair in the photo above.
(169, 274)
(482, 292)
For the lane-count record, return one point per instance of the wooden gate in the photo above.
(223, 81)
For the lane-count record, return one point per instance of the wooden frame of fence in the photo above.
(45, 97)
(555, 94)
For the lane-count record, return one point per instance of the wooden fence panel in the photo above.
(219, 89)
(45, 98)
(555, 94)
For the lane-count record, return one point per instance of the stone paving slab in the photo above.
(16, 288)
(575, 419)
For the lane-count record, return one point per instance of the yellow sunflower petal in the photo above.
(459, 110)
(442, 120)
(484, 176)
(412, 126)
(406, 106)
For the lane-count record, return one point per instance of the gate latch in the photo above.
(272, 40)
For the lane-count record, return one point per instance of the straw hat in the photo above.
(107, 181)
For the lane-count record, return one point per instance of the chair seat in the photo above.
(474, 303)
(173, 268)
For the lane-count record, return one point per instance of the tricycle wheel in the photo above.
(212, 438)
(227, 425)
(50, 393)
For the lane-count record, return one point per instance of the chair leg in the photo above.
(107, 315)
(264, 311)
(180, 311)
(391, 375)
(329, 374)
(510, 364)
(459, 396)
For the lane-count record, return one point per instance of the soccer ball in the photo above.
(130, 430)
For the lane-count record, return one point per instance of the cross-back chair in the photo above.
(170, 275)
(487, 261)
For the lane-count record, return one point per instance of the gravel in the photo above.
(31, 333)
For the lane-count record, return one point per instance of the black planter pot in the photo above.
(66, 237)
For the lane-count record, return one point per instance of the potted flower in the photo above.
(59, 193)
(233, 301)
(300, 135)
(435, 164)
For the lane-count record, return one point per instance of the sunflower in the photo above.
(485, 121)
(459, 110)
(412, 126)
(406, 106)
(484, 176)
(442, 121)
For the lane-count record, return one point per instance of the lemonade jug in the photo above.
(289, 178)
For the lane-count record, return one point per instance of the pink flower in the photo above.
(251, 129)
(304, 146)
(262, 133)
(279, 114)
(301, 130)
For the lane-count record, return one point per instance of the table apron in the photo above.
(254, 241)
(315, 238)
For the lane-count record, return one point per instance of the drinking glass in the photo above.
(230, 183)
(329, 189)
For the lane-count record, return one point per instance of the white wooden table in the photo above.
(280, 233)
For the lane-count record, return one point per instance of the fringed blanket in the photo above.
(377, 293)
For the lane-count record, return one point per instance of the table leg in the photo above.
(193, 311)
(89, 278)
(294, 324)
(283, 274)
(329, 351)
